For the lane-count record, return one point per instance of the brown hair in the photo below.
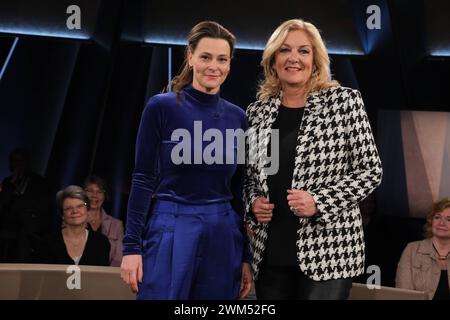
(204, 29)
(100, 182)
(438, 207)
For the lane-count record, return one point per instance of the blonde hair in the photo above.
(438, 207)
(204, 29)
(321, 76)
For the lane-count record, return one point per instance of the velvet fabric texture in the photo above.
(155, 174)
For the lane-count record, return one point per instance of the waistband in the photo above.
(164, 206)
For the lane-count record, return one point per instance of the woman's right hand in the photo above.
(262, 209)
(131, 271)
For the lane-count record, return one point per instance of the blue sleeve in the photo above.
(145, 176)
(237, 188)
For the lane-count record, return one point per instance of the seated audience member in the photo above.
(25, 207)
(99, 220)
(424, 265)
(75, 244)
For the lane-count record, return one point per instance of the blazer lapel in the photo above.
(310, 122)
(270, 114)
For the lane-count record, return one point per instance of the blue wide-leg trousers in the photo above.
(192, 252)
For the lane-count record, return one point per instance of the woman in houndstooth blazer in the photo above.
(307, 238)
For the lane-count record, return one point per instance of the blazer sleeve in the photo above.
(403, 277)
(251, 189)
(365, 170)
(237, 186)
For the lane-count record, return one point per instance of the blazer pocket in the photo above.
(350, 218)
(324, 232)
(320, 224)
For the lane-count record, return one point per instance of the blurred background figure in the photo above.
(424, 264)
(96, 189)
(25, 207)
(74, 243)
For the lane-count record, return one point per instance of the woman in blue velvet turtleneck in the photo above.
(188, 181)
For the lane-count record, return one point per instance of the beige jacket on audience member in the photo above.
(418, 268)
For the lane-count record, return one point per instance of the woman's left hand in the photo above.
(302, 204)
(246, 280)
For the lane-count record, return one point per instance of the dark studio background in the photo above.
(74, 98)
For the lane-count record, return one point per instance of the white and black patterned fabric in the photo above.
(337, 162)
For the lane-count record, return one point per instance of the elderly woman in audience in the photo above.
(99, 220)
(75, 244)
(424, 264)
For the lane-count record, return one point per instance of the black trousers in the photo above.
(289, 283)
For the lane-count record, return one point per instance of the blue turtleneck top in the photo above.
(158, 173)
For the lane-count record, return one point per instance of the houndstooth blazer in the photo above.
(337, 162)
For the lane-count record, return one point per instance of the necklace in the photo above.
(440, 257)
(76, 243)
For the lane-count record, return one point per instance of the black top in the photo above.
(96, 250)
(281, 242)
(443, 290)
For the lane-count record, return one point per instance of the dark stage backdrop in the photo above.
(74, 97)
